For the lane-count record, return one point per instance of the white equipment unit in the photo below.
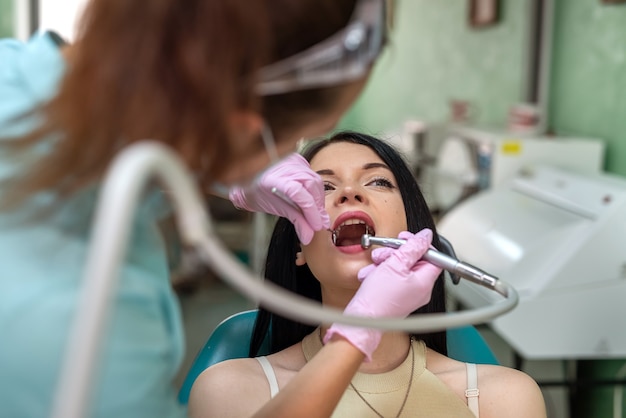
(471, 159)
(559, 238)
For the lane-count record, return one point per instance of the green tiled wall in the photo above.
(588, 94)
(6, 18)
(598, 400)
(435, 56)
(588, 97)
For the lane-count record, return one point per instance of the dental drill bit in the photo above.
(460, 268)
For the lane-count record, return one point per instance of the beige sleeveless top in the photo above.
(429, 397)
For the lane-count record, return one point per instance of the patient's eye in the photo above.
(381, 182)
(328, 186)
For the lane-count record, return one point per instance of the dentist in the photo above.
(230, 86)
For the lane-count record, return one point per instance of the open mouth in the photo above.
(350, 232)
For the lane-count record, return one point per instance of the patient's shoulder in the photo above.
(218, 390)
(229, 371)
(508, 392)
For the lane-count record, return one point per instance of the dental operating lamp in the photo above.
(128, 176)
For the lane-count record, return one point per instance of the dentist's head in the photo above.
(219, 81)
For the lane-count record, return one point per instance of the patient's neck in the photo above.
(391, 352)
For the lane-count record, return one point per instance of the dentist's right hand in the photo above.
(294, 178)
(397, 285)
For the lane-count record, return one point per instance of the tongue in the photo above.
(350, 235)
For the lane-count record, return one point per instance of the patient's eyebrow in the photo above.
(325, 172)
(368, 166)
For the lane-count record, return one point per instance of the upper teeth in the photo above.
(352, 222)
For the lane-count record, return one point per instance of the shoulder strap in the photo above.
(471, 393)
(269, 373)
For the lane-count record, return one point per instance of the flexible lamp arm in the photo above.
(128, 176)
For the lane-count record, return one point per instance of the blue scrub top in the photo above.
(40, 273)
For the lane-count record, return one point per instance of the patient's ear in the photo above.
(300, 259)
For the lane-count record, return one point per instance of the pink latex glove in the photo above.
(380, 254)
(399, 285)
(294, 178)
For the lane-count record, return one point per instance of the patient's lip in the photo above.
(350, 249)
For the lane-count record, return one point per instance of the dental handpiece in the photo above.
(460, 268)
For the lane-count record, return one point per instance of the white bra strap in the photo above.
(471, 393)
(269, 373)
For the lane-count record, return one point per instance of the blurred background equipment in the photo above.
(556, 236)
(470, 159)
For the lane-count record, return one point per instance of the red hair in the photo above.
(169, 70)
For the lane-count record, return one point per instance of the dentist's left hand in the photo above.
(397, 286)
(294, 178)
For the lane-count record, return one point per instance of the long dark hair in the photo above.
(281, 269)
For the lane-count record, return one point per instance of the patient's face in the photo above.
(362, 196)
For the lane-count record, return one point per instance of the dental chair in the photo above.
(231, 339)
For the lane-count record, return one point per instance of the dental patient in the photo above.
(368, 189)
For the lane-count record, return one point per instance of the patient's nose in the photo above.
(351, 194)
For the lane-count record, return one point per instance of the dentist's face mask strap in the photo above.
(344, 57)
(270, 147)
(270, 143)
